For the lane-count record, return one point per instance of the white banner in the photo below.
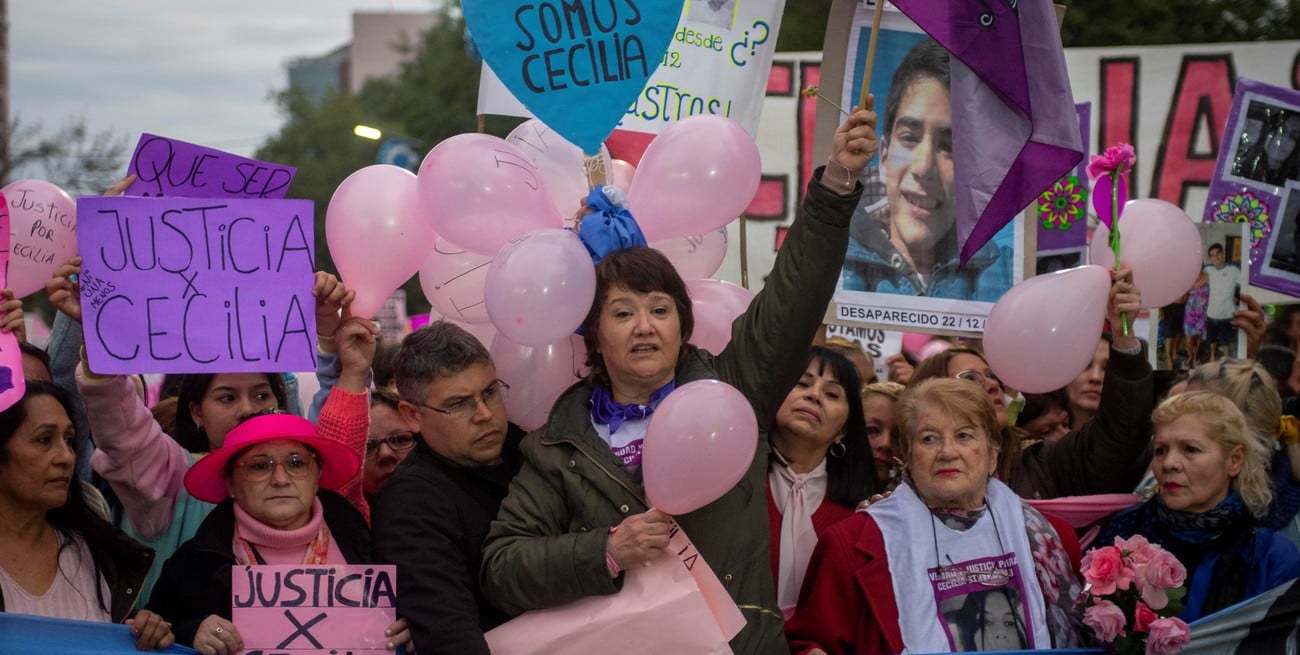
(717, 63)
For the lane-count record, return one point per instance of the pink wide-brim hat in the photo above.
(206, 479)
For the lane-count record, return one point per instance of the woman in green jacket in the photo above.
(576, 514)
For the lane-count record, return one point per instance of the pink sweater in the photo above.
(284, 546)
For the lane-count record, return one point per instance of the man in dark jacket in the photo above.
(432, 517)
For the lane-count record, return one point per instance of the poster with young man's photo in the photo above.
(1255, 180)
(902, 268)
(1198, 327)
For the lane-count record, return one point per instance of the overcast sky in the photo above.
(198, 70)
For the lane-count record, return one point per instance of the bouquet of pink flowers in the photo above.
(1133, 591)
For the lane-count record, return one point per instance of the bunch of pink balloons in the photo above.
(700, 441)
(43, 229)
(376, 234)
(1044, 331)
(1159, 241)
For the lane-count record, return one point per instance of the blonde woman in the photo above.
(1212, 489)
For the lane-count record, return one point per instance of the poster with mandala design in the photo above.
(1257, 178)
(1061, 212)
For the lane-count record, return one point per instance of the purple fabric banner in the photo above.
(1014, 125)
(168, 167)
(187, 285)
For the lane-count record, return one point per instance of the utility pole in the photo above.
(4, 92)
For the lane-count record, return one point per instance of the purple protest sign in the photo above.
(12, 383)
(335, 608)
(1257, 181)
(189, 285)
(1062, 210)
(168, 167)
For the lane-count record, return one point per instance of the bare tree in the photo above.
(76, 158)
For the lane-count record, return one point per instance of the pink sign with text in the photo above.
(306, 609)
(12, 384)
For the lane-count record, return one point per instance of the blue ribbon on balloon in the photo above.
(609, 226)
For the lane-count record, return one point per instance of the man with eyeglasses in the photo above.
(433, 515)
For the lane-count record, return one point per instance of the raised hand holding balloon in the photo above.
(1110, 192)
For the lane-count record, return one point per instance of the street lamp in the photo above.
(396, 149)
(367, 132)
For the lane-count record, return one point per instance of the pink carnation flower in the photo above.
(1106, 620)
(1106, 570)
(1167, 637)
(1138, 548)
(1156, 577)
(1111, 160)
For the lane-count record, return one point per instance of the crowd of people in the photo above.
(875, 516)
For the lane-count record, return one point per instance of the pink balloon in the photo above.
(700, 441)
(699, 256)
(1159, 241)
(43, 233)
(477, 191)
(1044, 331)
(914, 341)
(537, 375)
(540, 287)
(620, 174)
(453, 279)
(716, 305)
(559, 163)
(375, 234)
(696, 176)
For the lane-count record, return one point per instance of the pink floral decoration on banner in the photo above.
(1245, 207)
(1135, 590)
(1110, 161)
(1063, 204)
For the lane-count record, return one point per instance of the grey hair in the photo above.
(438, 350)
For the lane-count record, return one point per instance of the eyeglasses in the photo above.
(399, 442)
(493, 396)
(972, 375)
(261, 468)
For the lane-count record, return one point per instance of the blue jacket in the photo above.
(1272, 560)
(873, 264)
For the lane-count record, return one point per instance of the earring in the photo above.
(837, 454)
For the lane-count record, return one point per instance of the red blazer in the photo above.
(828, 513)
(847, 603)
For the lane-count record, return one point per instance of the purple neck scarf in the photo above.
(606, 411)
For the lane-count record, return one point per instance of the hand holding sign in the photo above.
(12, 383)
(43, 229)
(579, 65)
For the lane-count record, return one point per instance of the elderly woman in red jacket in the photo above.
(976, 567)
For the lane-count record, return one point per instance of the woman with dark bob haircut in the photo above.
(58, 558)
(821, 465)
(576, 516)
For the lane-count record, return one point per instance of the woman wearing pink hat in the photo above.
(273, 482)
